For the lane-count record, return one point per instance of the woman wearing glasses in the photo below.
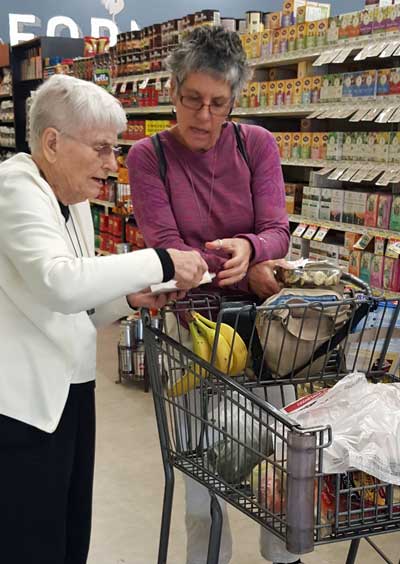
(210, 199)
(53, 294)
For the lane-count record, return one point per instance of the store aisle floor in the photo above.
(129, 485)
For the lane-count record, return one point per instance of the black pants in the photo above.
(46, 483)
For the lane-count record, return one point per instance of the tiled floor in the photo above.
(129, 485)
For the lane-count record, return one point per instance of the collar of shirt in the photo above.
(64, 210)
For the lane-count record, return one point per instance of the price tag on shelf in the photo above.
(123, 87)
(342, 56)
(397, 52)
(298, 232)
(358, 116)
(373, 173)
(326, 57)
(158, 85)
(386, 178)
(377, 49)
(363, 242)
(372, 113)
(386, 114)
(315, 114)
(324, 171)
(390, 49)
(363, 54)
(311, 231)
(361, 174)
(144, 84)
(321, 234)
(114, 87)
(337, 173)
(395, 117)
(350, 172)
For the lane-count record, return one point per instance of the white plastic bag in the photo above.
(365, 420)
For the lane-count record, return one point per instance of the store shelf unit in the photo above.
(102, 203)
(142, 77)
(28, 57)
(149, 110)
(341, 226)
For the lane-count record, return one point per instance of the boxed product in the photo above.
(394, 148)
(296, 145)
(289, 88)
(381, 146)
(244, 99)
(359, 146)
(263, 99)
(314, 202)
(377, 266)
(393, 18)
(325, 88)
(255, 45)
(349, 25)
(254, 94)
(297, 90)
(348, 84)
(247, 45)
(305, 203)
(276, 41)
(292, 37)
(371, 212)
(348, 207)
(294, 195)
(395, 213)
(384, 208)
(379, 21)
(311, 34)
(394, 82)
(266, 43)
(295, 248)
(316, 142)
(253, 21)
(306, 90)
(347, 145)
(280, 92)
(365, 266)
(383, 82)
(279, 142)
(390, 274)
(301, 14)
(350, 239)
(315, 89)
(359, 207)
(283, 40)
(287, 145)
(272, 93)
(337, 204)
(366, 21)
(368, 84)
(322, 31)
(334, 146)
(355, 263)
(301, 36)
(335, 86)
(305, 149)
(274, 20)
(332, 35)
(325, 204)
(379, 245)
(324, 144)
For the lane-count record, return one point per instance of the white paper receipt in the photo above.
(170, 286)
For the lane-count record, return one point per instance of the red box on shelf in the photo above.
(140, 244)
(117, 224)
(104, 223)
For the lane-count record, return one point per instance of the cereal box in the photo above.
(311, 34)
(274, 20)
(289, 87)
(395, 213)
(354, 263)
(305, 150)
(366, 20)
(266, 43)
(286, 145)
(383, 82)
(263, 99)
(283, 41)
(365, 266)
(306, 90)
(272, 93)
(255, 45)
(297, 90)
(384, 207)
(254, 93)
(316, 89)
(376, 277)
(280, 92)
(371, 212)
(292, 37)
(296, 145)
(276, 41)
(322, 32)
(394, 81)
(301, 36)
(332, 35)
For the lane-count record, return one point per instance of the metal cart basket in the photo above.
(227, 434)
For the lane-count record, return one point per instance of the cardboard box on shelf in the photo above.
(274, 20)
(380, 15)
(255, 45)
(263, 94)
(316, 142)
(296, 145)
(286, 145)
(332, 35)
(272, 93)
(390, 276)
(355, 262)
(283, 40)
(325, 205)
(306, 90)
(384, 207)
(324, 145)
(366, 21)
(394, 81)
(325, 88)
(280, 93)
(347, 145)
(382, 142)
(294, 196)
(289, 88)
(334, 145)
(266, 43)
(279, 142)
(314, 202)
(360, 204)
(244, 99)
(348, 207)
(337, 204)
(394, 223)
(348, 84)
(335, 85)
(292, 37)
(383, 82)
(254, 94)
(297, 91)
(393, 18)
(316, 89)
(365, 266)
(371, 212)
(350, 239)
(379, 245)
(311, 34)
(377, 266)
(394, 148)
(322, 32)
(301, 36)
(305, 150)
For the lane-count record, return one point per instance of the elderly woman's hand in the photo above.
(146, 299)
(262, 280)
(235, 268)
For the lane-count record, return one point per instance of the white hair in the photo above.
(72, 105)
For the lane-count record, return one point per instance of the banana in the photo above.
(223, 349)
(234, 341)
(191, 377)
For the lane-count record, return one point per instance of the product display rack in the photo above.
(27, 59)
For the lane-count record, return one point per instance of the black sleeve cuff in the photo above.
(167, 264)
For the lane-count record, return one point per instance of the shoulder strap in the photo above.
(240, 143)
(162, 161)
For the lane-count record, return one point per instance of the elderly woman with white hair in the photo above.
(53, 294)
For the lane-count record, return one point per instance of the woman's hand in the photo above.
(262, 280)
(146, 299)
(235, 268)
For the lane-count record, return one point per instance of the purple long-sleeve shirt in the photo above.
(192, 208)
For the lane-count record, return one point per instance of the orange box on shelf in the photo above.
(280, 92)
(254, 91)
(297, 91)
(286, 145)
(255, 45)
(296, 145)
(274, 20)
(263, 99)
(276, 41)
(292, 37)
(140, 244)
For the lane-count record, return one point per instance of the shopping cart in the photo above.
(228, 435)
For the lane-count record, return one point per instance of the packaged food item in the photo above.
(394, 148)
(280, 92)
(296, 145)
(355, 262)
(316, 89)
(395, 213)
(286, 145)
(307, 273)
(337, 204)
(90, 46)
(365, 266)
(394, 82)
(263, 94)
(305, 150)
(383, 82)
(276, 41)
(376, 278)
(384, 207)
(266, 43)
(289, 87)
(306, 90)
(283, 40)
(301, 36)
(366, 20)
(371, 213)
(332, 35)
(311, 34)
(103, 45)
(254, 93)
(245, 96)
(292, 37)
(334, 145)
(316, 142)
(274, 20)
(272, 93)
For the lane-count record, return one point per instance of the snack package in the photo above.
(308, 273)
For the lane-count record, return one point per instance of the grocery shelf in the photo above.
(126, 142)
(6, 96)
(12, 147)
(310, 53)
(7, 121)
(310, 163)
(150, 110)
(137, 77)
(340, 226)
(103, 203)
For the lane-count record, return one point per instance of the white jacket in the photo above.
(46, 334)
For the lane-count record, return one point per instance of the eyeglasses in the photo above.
(220, 109)
(103, 151)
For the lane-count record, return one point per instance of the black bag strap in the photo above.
(162, 161)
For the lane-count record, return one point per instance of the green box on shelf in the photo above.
(365, 266)
(395, 214)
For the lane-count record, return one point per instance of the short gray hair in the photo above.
(213, 50)
(72, 105)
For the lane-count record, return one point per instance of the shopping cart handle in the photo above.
(351, 279)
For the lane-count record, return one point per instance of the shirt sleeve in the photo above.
(152, 207)
(271, 236)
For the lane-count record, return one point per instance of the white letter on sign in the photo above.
(16, 22)
(62, 21)
(99, 24)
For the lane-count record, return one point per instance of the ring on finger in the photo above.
(219, 244)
